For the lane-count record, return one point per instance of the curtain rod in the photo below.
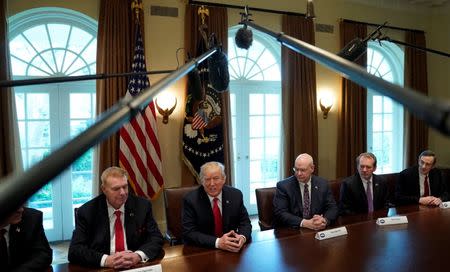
(200, 3)
(387, 26)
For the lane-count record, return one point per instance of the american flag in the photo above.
(200, 119)
(140, 153)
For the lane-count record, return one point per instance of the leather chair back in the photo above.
(173, 205)
(264, 201)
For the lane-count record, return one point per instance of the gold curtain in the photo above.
(217, 23)
(416, 78)
(298, 76)
(10, 156)
(115, 43)
(352, 115)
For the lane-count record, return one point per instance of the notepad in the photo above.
(331, 233)
(152, 268)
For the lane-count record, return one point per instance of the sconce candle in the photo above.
(165, 104)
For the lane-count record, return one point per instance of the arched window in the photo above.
(255, 94)
(48, 42)
(384, 116)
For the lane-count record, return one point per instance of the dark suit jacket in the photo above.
(91, 237)
(288, 202)
(198, 219)
(407, 190)
(28, 247)
(353, 197)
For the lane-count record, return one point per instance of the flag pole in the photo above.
(17, 188)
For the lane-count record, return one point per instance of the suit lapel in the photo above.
(104, 223)
(15, 232)
(361, 191)
(298, 200)
(206, 208)
(226, 201)
(130, 223)
(315, 198)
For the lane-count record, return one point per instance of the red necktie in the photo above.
(217, 218)
(426, 187)
(118, 230)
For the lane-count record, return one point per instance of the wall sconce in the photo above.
(326, 102)
(310, 10)
(165, 104)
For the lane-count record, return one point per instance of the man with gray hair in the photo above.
(214, 215)
(304, 200)
(363, 192)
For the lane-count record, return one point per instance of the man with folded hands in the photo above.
(304, 200)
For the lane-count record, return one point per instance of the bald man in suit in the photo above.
(304, 200)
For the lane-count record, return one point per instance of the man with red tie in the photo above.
(115, 229)
(214, 215)
(422, 183)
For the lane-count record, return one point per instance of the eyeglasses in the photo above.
(296, 170)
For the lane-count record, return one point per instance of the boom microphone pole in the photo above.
(435, 113)
(48, 80)
(15, 190)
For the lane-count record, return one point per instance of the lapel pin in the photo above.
(17, 229)
(227, 201)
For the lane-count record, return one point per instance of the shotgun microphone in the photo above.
(356, 47)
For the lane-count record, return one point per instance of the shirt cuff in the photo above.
(217, 243)
(103, 260)
(301, 223)
(144, 257)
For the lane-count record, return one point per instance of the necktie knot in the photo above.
(117, 213)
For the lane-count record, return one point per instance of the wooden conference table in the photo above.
(421, 245)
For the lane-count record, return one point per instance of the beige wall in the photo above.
(164, 35)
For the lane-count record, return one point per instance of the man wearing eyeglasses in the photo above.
(422, 183)
(304, 200)
(214, 215)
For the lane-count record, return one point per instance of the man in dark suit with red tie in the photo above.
(363, 192)
(422, 183)
(214, 215)
(304, 200)
(23, 245)
(115, 229)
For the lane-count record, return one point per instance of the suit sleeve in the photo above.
(40, 258)
(79, 250)
(282, 214)
(345, 202)
(331, 209)
(403, 194)
(245, 226)
(153, 242)
(191, 232)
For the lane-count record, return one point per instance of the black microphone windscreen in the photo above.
(219, 76)
(353, 50)
(195, 85)
(244, 38)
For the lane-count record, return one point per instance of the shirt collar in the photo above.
(307, 183)
(111, 209)
(218, 197)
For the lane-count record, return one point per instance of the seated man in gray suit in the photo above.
(214, 215)
(304, 200)
(115, 229)
(363, 192)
